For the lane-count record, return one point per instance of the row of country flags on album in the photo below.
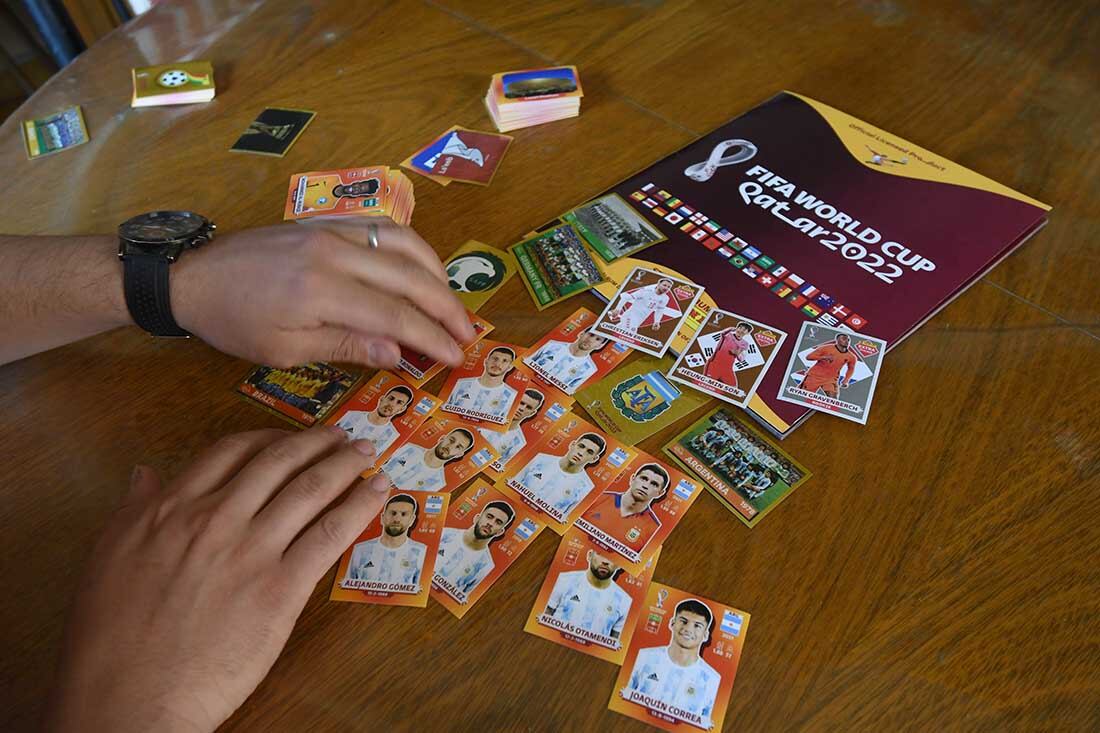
(748, 259)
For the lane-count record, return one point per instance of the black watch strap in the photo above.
(145, 283)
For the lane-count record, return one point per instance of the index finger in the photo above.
(391, 237)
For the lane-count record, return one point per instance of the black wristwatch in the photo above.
(147, 245)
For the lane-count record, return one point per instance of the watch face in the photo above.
(160, 227)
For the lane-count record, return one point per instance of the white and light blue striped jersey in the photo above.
(458, 564)
(373, 561)
(693, 688)
(469, 395)
(359, 427)
(576, 601)
(507, 444)
(408, 472)
(544, 477)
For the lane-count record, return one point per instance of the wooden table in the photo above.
(942, 567)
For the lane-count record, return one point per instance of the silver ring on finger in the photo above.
(372, 235)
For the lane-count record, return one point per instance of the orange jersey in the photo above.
(633, 530)
(828, 360)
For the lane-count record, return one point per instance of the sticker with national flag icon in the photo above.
(834, 371)
(647, 187)
(637, 195)
(648, 310)
(694, 692)
(728, 356)
(659, 211)
(699, 235)
(724, 235)
(726, 251)
(712, 243)
(855, 322)
(766, 279)
(751, 270)
(765, 262)
(639, 510)
(485, 532)
(687, 226)
(588, 602)
(674, 218)
(392, 561)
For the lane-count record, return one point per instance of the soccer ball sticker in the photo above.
(475, 272)
(173, 78)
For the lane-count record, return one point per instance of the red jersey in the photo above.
(828, 360)
(721, 365)
(633, 530)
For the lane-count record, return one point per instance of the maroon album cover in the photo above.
(795, 211)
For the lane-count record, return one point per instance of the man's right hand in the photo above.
(315, 291)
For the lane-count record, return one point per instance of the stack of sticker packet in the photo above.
(371, 191)
(183, 82)
(524, 98)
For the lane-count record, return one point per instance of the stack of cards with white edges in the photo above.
(183, 82)
(372, 191)
(524, 98)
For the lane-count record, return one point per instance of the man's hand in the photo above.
(192, 592)
(314, 291)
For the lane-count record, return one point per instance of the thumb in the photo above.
(330, 343)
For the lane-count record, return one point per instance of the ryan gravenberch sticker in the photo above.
(833, 370)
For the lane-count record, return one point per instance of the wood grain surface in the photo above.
(940, 571)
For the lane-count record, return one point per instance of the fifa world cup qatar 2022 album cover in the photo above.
(795, 211)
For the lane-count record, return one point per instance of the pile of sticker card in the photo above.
(531, 97)
(184, 82)
(372, 191)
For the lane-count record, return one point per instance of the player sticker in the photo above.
(422, 368)
(386, 411)
(54, 133)
(588, 602)
(476, 271)
(619, 271)
(639, 510)
(303, 394)
(728, 357)
(440, 456)
(461, 155)
(647, 310)
(681, 662)
(748, 473)
(540, 408)
(834, 371)
(273, 131)
(567, 470)
(485, 389)
(612, 227)
(351, 191)
(571, 355)
(485, 532)
(636, 400)
(392, 562)
(555, 265)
